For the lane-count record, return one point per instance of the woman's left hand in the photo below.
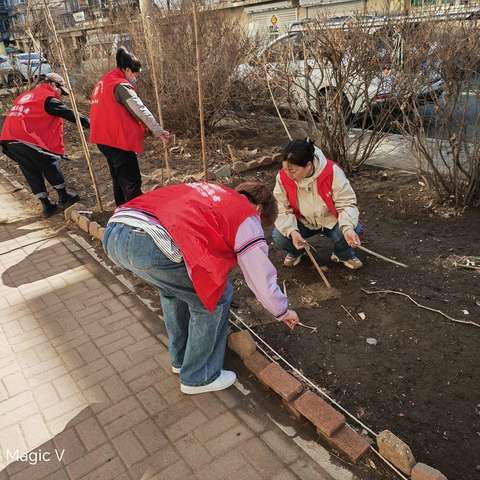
(352, 238)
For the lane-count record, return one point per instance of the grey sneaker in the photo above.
(292, 260)
(352, 263)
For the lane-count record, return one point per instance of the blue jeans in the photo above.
(196, 338)
(340, 247)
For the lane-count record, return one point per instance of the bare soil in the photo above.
(422, 377)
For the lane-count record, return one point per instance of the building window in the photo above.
(72, 6)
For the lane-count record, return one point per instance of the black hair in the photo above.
(125, 59)
(299, 152)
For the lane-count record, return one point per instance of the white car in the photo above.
(313, 83)
(22, 67)
(31, 65)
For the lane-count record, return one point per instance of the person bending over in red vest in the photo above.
(184, 239)
(32, 136)
(314, 197)
(118, 118)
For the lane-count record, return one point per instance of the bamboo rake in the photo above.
(59, 47)
(200, 92)
(153, 72)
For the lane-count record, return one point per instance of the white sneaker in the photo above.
(292, 260)
(225, 380)
(176, 370)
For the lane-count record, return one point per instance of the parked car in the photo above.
(313, 82)
(22, 67)
(31, 65)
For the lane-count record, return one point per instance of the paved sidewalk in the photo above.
(82, 379)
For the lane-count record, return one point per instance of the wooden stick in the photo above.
(319, 270)
(200, 93)
(275, 104)
(466, 322)
(348, 313)
(361, 247)
(230, 151)
(153, 72)
(59, 47)
(28, 30)
(313, 329)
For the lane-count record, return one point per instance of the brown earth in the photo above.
(422, 378)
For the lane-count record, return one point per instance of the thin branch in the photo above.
(465, 322)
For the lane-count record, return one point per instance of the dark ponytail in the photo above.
(299, 152)
(125, 59)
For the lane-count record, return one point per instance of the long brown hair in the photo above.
(259, 194)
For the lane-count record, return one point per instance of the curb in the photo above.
(75, 214)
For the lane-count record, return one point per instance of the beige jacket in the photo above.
(314, 212)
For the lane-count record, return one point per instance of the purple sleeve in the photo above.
(258, 271)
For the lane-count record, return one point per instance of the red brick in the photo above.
(280, 381)
(93, 229)
(325, 418)
(242, 343)
(100, 233)
(256, 363)
(291, 409)
(74, 215)
(423, 472)
(84, 223)
(350, 443)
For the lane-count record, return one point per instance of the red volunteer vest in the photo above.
(27, 121)
(110, 122)
(324, 186)
(202, 219)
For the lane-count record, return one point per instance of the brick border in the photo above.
(74, 214)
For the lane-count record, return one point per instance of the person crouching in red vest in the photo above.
(118, 118)
(314, 197)
(184, 239)
(32, 136)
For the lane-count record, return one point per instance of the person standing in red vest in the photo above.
(32, 136)
(118, 120)
(184, 239)
(315, 197)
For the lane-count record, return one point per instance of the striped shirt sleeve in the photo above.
(259, 273)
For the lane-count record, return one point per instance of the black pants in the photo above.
(127, 182)
(36, 164)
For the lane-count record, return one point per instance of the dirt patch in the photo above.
(421, 378)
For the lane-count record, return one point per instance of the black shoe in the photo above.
(49, 208)
(68, 200)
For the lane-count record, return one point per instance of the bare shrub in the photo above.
(344, 81)
(224, 45)
(446, 137)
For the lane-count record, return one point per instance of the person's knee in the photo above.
(337, 234)
(279, 239)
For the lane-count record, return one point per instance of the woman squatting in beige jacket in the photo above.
(315, 197)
